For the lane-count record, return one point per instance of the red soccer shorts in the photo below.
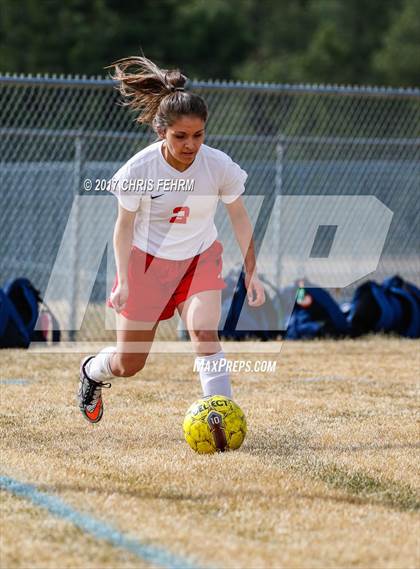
(156, 286)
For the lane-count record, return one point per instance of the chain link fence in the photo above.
(292, 140)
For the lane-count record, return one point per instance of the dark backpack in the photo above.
(390, 307)
(316, 315)
(19, 314)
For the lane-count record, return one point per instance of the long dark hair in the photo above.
(158, 95)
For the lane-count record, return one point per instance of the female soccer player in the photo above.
(165, 242)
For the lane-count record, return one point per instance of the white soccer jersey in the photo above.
(175, 210)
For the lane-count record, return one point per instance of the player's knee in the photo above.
(127, 365)
(205, 336)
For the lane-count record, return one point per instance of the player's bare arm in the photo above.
(123, 237)
(243, 232)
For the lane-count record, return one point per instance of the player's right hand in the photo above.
(119, 297)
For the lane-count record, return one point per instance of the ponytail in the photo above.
(157, 95)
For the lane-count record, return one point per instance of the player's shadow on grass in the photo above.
(291, 444)
(360, 501)
(362, 447)
(147, 494)
(276, 444)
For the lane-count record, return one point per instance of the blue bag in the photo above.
(316, 315)
(19, 313)
(13, 333)
(392, 307)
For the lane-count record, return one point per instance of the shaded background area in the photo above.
(292, 141)
(322, 41)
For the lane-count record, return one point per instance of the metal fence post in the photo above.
(74, 260)
(276, 211)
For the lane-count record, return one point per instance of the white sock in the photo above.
(213, 376)
(99, 368)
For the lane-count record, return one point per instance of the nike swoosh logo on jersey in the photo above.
(154, 197)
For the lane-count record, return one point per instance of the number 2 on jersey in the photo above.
(181, 216)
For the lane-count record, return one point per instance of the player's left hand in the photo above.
(255, 290)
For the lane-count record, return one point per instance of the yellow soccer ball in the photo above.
(214, 424)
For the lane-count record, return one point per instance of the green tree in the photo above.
(320, 41)
(398, 61)
(56, 37)
(280, 30)
(347, 35)
(205, 39)
(328, 58)
(211, 36)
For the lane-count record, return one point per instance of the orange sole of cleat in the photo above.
(96, 415)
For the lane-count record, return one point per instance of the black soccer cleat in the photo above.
(90, 395)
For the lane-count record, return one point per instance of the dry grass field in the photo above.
(326, 477)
